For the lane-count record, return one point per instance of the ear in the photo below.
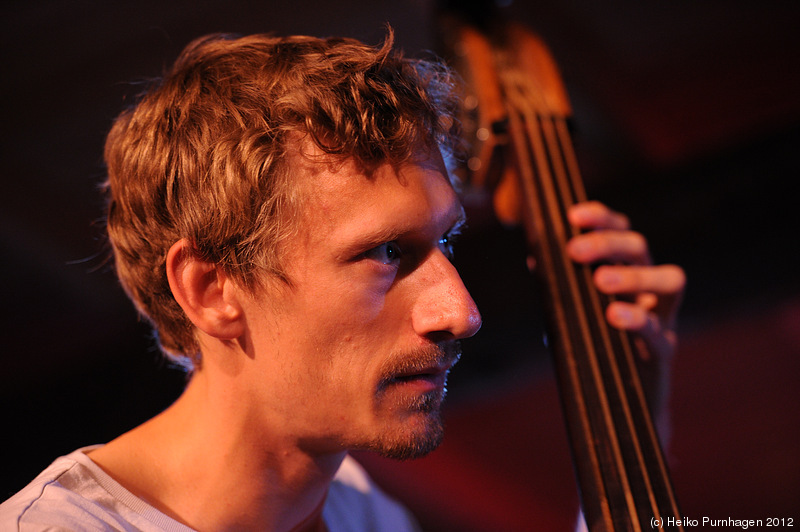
(205, 293)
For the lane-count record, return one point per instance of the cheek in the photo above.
(349, 309)
(360, 329)
(362, 303)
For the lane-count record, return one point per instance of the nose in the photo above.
(444, 309)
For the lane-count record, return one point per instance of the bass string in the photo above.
(583, 375)
(648, 447)
(614, 350)
(557, 170)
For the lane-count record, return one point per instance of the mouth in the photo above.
(433, 373)
(425, 374)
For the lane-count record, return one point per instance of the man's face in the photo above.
(355, 353)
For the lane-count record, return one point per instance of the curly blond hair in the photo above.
(203, 154)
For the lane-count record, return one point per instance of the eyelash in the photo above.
(390, 252)
(447, 243)
(390, 249)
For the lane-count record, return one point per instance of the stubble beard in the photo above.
(418, 444)
(425, 408)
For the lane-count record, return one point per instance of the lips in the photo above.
(426, 369)
(434, 373)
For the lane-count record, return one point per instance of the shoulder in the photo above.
(45, 501)
(73, 493)
(355, 502)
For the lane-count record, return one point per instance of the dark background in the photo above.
(687, 117)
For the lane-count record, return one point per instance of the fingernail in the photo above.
(624, 315)
(578, 248)
(573, 215)
(609, 279)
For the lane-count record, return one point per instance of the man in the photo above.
(280, 210)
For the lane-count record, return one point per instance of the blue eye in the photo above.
(387, 253)
(446, 245)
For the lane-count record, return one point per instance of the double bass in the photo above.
(516, 114)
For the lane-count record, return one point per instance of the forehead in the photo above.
(342, 201)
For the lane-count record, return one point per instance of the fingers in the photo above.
(609, 245)
(627, 316)
(655, 290)
(595, 215)
(651, 293)
(610, 238)
(660, 341)
(666, 279)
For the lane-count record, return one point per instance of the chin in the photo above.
(415, 439)
(410, 428)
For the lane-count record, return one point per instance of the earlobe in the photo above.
(205, 293)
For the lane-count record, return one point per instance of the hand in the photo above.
(649, 295)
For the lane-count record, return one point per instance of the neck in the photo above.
(208, 463)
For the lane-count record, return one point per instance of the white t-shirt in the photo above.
(75, 494)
